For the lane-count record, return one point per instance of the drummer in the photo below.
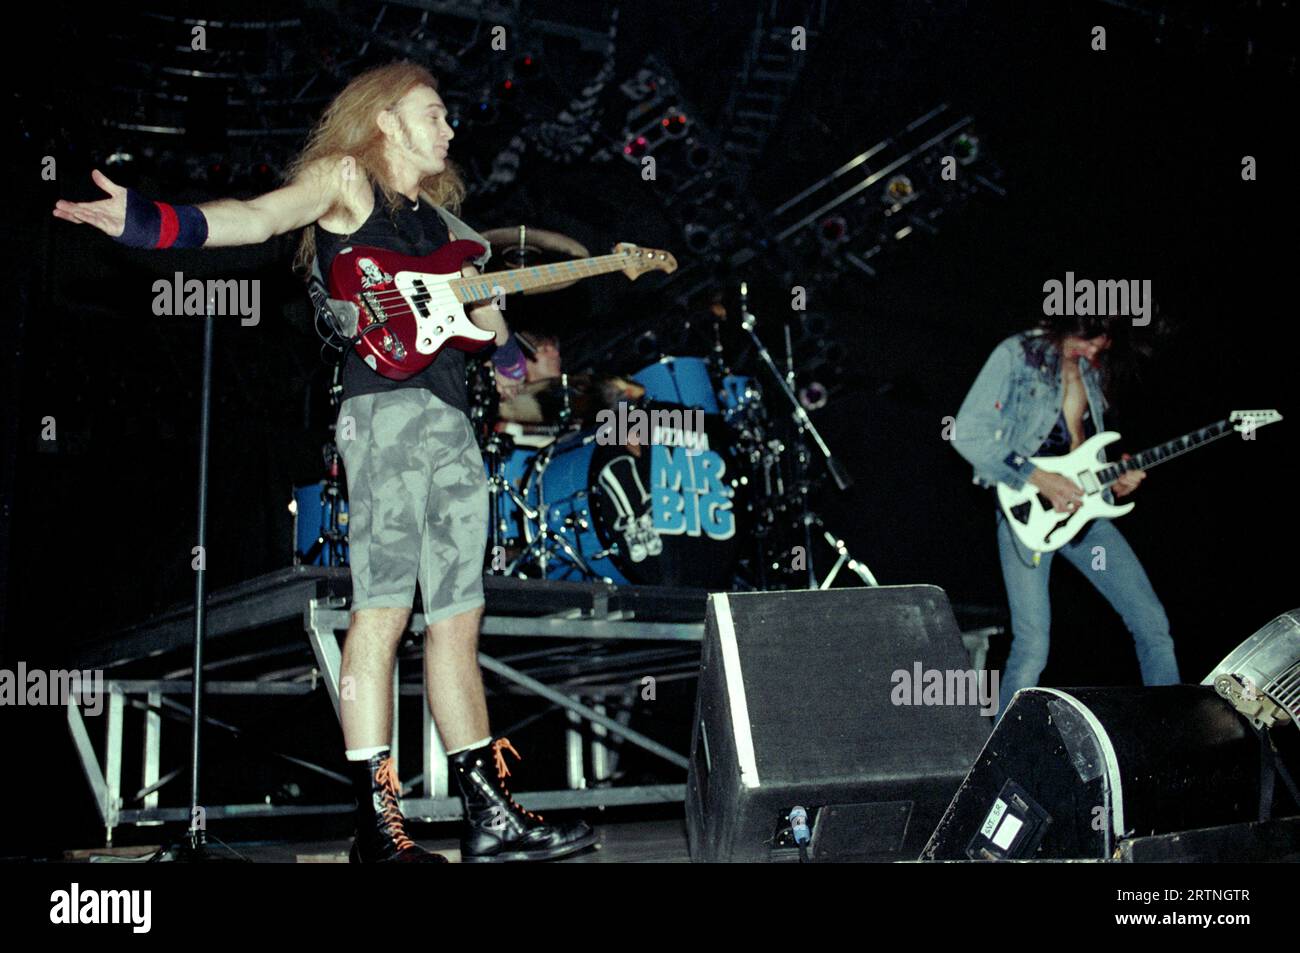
(544, 393)
(542, 363)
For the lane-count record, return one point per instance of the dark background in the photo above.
(1117, 164)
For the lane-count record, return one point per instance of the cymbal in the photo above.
(522, 247)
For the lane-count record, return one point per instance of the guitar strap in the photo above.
(459, 230)
(341, 317)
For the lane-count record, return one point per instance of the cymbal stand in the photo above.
(495, 448)
(566, 407)
(333, 540)
(805, 428)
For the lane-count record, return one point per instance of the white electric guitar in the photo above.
(1044, 529)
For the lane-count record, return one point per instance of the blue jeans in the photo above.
(1123, 582)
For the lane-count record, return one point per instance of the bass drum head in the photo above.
(671, 509)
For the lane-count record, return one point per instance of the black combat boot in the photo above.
(381, 829)
(499, 829)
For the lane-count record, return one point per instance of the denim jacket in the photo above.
(1013, 405)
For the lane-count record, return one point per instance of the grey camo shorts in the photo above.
(417, 502)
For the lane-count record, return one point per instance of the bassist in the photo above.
(376, 168)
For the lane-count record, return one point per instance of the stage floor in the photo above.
(636, 842)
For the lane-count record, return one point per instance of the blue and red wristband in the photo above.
(508, 359)
(159, 225)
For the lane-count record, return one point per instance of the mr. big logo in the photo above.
(688, 494)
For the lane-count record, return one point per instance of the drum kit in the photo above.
(576, 496)
(678, 475)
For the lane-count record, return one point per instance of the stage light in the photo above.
(813, 396)
(674, 125)
(966, 148)
(898, 190)
(262, 175)
(218, 174)
(833, 230)
(1261, 676)
(636, 148)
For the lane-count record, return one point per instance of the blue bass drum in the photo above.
(666, 513)
(559, 491)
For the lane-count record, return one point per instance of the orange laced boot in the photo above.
(499, 829)
(381, 829)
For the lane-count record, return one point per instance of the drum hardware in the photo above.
(804, 428)
(505, 500)
(322, 505)
(496, 450)
(544, 538)
(566, 405)
(804, 424)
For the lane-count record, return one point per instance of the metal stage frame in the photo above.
(649, 627)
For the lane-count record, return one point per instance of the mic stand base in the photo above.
(195, 850)
(845, 560)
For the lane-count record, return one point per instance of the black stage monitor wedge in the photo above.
(858, 705)
(1071, 773)
(1276, 841)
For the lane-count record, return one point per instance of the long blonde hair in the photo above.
(348, 128)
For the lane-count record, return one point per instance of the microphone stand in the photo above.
(195, 847)
(804, 427)
(804, 423)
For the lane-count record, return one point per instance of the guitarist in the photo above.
(1042, 393)
(374, 172)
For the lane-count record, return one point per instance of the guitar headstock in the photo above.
(1245, 421)
(639, 260)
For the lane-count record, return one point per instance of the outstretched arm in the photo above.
(229, 221)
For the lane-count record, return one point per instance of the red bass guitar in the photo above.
(411, 308)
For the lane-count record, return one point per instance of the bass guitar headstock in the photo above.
(640, 260)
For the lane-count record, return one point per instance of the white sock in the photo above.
(365, 754)
(478, 744)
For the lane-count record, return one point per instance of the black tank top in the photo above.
(407, 232)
